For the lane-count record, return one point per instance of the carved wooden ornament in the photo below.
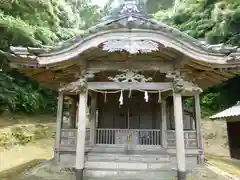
(130, 76)
(131, 46)
(80, 85)
(180, 85)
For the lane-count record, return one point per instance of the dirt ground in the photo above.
(215, 137)
(18, 155)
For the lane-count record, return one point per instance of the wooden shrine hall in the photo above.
(123, 87)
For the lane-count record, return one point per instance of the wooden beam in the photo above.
(222, 66)
(209, 68)
(126, 86)
(216, 76)
(140, 65)
(211, 75)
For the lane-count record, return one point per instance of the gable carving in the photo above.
(131, 46)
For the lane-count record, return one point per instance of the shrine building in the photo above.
(123, 86)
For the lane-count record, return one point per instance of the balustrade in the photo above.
(130, 136)
(138, 137)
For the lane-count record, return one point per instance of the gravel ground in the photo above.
(43, 173)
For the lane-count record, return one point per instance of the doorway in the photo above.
(135, 120)
(134, 113)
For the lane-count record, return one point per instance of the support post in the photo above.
(93, 118)
(81, 133)
(198, 127)
(73, 113)
(164, 123)
(179, 133)
(58, 126)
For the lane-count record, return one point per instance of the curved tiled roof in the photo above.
(206, 64)
(130, 17)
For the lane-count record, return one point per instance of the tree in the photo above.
(36, 23)
(211, 20)
(214, 21)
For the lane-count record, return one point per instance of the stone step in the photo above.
(111, 174)
(129, 178)
(127, 165)
(128, 157)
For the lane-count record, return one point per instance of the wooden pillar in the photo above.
(93, 118)
(73, 113)
(81, 133)
(58, 126)
(198, 127)
(164, 123)
(179, 133)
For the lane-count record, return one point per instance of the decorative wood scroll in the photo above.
(180, 85)
(130, 76)
(78, 86)
(81, 84)
(131, 46)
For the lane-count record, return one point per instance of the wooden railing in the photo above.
(135, 137)
(131, 136)
(190, 138)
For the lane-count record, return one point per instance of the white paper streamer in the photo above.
(146, 96)
(105, 97)
(121, 98)
(159, 97)
(130, 93)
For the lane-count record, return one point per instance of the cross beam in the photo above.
(127, 86)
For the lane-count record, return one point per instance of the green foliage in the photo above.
(215, 21)
(36, 23)
(153, 6)
(209, 100)
(20, 94)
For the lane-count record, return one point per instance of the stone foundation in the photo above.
(51, 171)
